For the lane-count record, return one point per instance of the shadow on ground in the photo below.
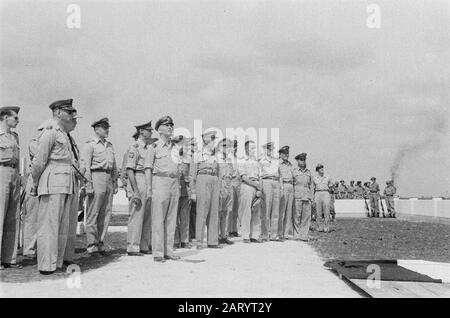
(115, 240)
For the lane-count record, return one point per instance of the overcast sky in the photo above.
(348, 95)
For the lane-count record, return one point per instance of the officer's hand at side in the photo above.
(258, 194)
(33, 191)
(193, 197)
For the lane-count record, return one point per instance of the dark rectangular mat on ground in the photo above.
(389, 270)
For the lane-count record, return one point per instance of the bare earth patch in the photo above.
(378, 238)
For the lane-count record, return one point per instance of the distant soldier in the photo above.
(321, 185)
(342, 190)
(236, 186)
(98, 164)
(333, 195)
(287, 194)
(249, 220)
(374, 196)
(139, 235)
(9, 187)
(270, 174)
(164, 190)
(351, 190)
(389, 193)
(185, 201)
(205, 184)
(54, 177)
(359, 190)
(303, 193)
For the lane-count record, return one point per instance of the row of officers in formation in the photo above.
(259, 199)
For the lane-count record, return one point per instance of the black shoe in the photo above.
(186, 245)
(135, 254)
(46, 272)
(172, 257)
(231, 234)
(246, 241)
(14, 266)
(215, 246)
(159, 259)
(227, 241)
(176, 245)
(256, 240)
(145, 252)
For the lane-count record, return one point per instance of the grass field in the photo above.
(378, 238)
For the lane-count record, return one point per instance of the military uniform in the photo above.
(389, 193)
(321, 186)
(287, 196)
(99, 165)
(165, 194)
(341, 191)
(205, 171)
(236, 188)
(374, 189)
(53, 173)
(359, 192)
(140, 221)
(270, 174)
(9, 195)
(249, 219)
(184, 205)
(303, 197)
(227, 171)
(351, 191)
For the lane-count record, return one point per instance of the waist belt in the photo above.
(101, 170)
(139, 171)
(8, 164)
(288, 181)
(322, 190)
(166, 175)
(388, 195)
(254, 179)
(271, 178)
(208, 173)
(373, 191)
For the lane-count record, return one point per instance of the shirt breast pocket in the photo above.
(60, 179)
(7, 152)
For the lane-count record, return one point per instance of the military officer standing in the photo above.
(374, 195)
(164, 190)
(303, 193)
(389, 193)
(185, 201)
(54, 178)
(98, 164)
(227, 171)
(9, 187)
(270, 174)
(236, 187)
(204, 172)
(140, 221)
(321, 185)
(123, 169)
(249, 219)
(287, 194)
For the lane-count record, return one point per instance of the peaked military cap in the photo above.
(135, 135)
(373, 178)
(147, 126)
(268, 145)
(284, 149)
(319, 166)
(101, 122)
(65, 104)
(166, 120)
(301, 156)
(15, 109)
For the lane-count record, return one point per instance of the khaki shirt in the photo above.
(359, 191)
(270, 167)
(163, 158)
(286, 171)
(322, 183)
(249, 167)
(390, 190)
(52, 166)
(9, 147)
(97, 154)
(374, 187)
(137, 156)
(303, 184)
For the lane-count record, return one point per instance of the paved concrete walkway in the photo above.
(274, 269)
